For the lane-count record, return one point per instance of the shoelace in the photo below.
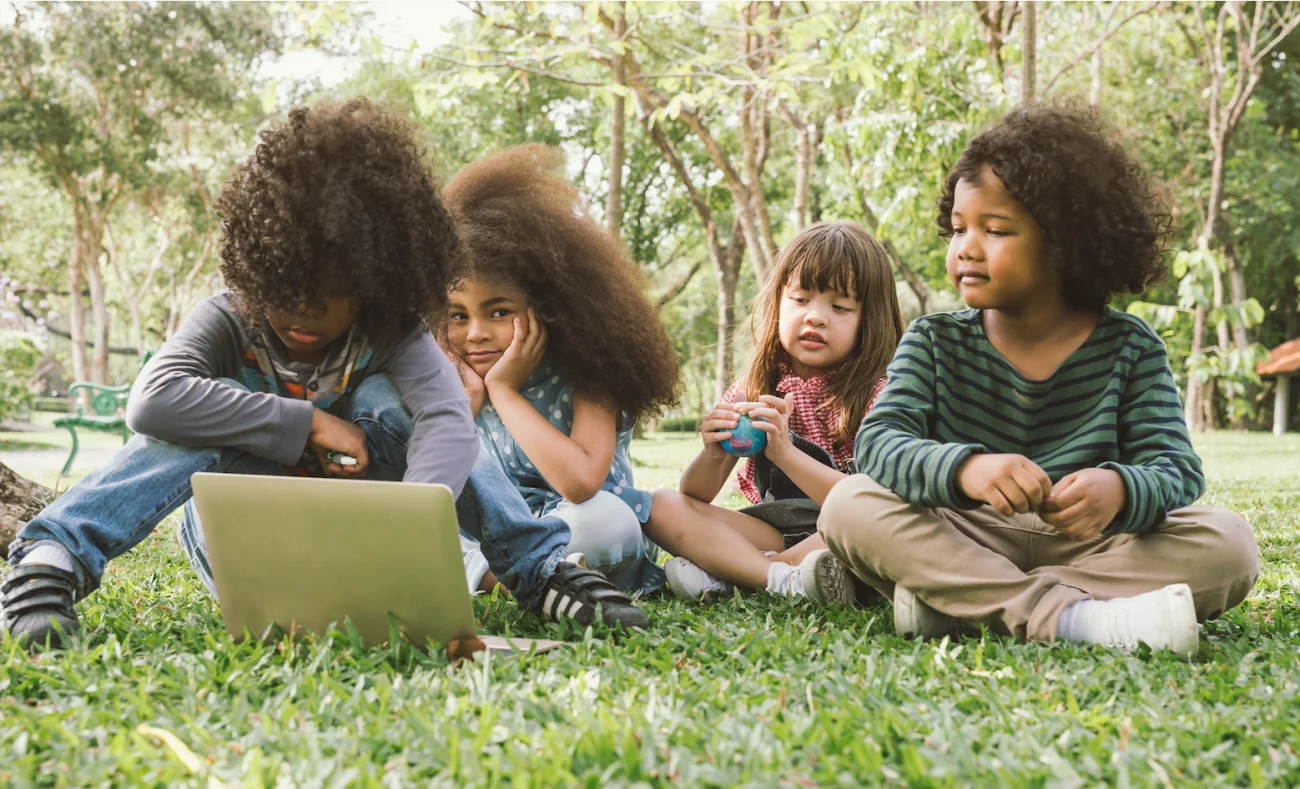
(786, 584)
(1116, 627)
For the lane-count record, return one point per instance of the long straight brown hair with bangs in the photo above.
(844, 258)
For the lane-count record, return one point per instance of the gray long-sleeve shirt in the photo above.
(175, 398)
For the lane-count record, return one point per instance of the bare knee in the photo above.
(669, 513)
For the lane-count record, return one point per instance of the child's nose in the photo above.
(968, 248)
(477, 331)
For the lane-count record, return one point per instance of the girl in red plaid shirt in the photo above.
(825, 328)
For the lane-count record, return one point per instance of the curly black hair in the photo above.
(338, 200)
(523, 223)
(1103, 224)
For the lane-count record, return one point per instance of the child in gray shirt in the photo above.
(334, 244)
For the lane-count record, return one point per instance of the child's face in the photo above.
(309, 331)
(817, 328)
(480, 321)
(995, 256)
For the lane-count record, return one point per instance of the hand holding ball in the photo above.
(746, 440)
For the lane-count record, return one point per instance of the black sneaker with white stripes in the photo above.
(587, 596)
(33, 599)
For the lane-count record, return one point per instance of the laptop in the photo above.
(304, 553)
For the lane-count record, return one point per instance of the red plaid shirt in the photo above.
(806, 420)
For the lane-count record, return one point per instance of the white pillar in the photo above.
(1281, 403)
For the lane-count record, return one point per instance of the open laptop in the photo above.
(303, 552)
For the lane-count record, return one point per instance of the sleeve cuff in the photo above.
(952, 495)
(1124, 522)
(287, 444)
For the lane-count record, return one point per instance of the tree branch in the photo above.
(1096, 45)
(477, 10)
(521, 67)
(677, 287)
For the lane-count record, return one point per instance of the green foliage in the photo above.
(20, 357)
(688, 423)
(90, 88)
(751, 691)
(137, 111)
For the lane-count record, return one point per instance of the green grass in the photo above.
(751, 691)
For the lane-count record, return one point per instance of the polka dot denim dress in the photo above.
(552, 396)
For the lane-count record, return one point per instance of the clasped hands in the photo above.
(1078, 506)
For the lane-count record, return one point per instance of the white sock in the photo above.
(1073, 623)
(784, 579)
(49, 553)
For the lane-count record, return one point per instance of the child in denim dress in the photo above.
(560, 353)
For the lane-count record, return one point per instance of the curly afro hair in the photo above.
(338, 200)
(522, 223)
(1102, 222)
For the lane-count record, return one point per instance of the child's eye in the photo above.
(997, 233)
(842, 308)
(958, 231)
(500, 313)
(458, 316)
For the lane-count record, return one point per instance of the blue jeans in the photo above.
(119, 504)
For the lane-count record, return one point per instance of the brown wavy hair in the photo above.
(523, 223)
(844, 258)
(338, 200)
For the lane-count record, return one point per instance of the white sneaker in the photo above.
(1163, 619)
(689, 582)
(914, 617)
(576, 559)
(825, 579)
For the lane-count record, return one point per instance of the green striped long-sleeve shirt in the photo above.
(1112, 404)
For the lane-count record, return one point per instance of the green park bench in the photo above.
(107, 404)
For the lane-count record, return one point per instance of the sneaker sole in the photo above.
(911, 613)
(675, 583)
(830, 582)
(1186, 637)
(905, 613)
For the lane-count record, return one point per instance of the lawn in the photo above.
(751, 691)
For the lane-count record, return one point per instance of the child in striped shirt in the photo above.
(825, 327)
(1027, 465)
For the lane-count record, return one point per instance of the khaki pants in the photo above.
(1017, 574)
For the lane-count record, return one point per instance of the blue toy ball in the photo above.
(746, 440)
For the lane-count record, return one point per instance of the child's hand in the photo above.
(1085, 502)
(1007, 483)
(522, 357)
(716, 427)
(473, 383)
(331, 434)
(775, 415)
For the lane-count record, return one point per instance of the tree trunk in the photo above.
(614, 199)
(804, 155)
(99, 312)
(76, 317)
(1237, 287)
(20, 501)
(727, 271)
(1192, 402)
(724, 364)
(1029, 53)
